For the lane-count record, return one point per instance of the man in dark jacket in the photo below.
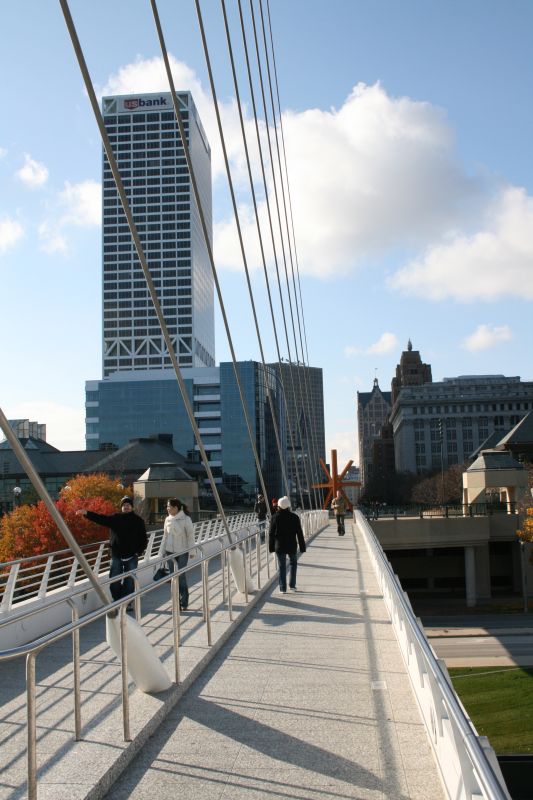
(284, 536)
(127, 540)
(260, 509)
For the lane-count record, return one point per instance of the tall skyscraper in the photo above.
(147, 144)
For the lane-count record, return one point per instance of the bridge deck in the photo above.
(309, 700)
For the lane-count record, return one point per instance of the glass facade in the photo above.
(238, 459)
(129, 405)
(146, 143)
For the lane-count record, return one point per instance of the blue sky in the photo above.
(408, 127)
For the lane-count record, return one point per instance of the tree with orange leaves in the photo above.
(30, 530)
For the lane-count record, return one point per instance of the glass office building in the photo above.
(146, 142)
(130, 405)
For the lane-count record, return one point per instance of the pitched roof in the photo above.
(522, 433)
(165, 471)
(494, 459)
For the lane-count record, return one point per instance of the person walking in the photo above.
(127, 540)
(339, 508)
(284, 536)
(260, 509)
(178, 540)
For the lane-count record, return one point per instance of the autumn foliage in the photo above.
(29, 530)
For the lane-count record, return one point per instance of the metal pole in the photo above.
(31, 712)
(245, 575)
(230, 606)
(258, 558)
(124, 671)
(205, 567)
(137, 601)
(174, 594)
(76, 671)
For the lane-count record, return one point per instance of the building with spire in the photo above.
(373, 410)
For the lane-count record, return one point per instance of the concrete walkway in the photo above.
(309, 699)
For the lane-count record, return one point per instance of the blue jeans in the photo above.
(340, 524)
(181, 561)
(282, 574)
(120, 589)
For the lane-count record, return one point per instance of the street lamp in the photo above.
(17, 491)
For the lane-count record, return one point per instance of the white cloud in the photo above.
(377, 174)
(82, 204)
(487, 336)
(11, 232)
(149, 75)
(386, 343)
(78, 205)
(33, 173)
(494, 262)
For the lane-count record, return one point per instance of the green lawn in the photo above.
(499, 702)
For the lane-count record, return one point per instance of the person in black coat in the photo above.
(260, 509)
(284, 537)
(127, 540)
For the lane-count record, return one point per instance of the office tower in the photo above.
(440, 424)
(372, 413)
(125, 406)
(305, 404)
(147, 145)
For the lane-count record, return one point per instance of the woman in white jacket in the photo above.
(178, 539)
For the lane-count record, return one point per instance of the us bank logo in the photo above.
(132, 104)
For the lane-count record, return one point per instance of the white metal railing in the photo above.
(32, 578)
(468, 764)
(254, 551)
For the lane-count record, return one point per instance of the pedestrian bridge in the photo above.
(329, 692)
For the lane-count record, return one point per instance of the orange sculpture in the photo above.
(335, 481)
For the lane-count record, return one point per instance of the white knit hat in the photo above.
(284, 502)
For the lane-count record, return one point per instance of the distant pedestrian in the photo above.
(284, 537)
(260, 509)
(274, 504)
(178, 540)
(127, 541)
(339, 508)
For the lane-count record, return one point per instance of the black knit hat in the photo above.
(126, 500)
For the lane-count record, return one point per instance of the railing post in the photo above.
(44, 580)
(31, 713)
(245, 575)
(9, 591)
(258, 558)
(228, 575)
(124, 673)
(174, 594)
(137, 601)
(76, 671)
(205, 580)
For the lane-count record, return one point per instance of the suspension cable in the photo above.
(260, 236)
(209, 248)
(284, 191)
(277, 203)
(140, 253)
(239, 231)
(273, 240)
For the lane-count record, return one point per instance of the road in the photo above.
(484, 640)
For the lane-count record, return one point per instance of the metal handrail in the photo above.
(313, 521)
(490, 783)
(423, 510)
(30, 577)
